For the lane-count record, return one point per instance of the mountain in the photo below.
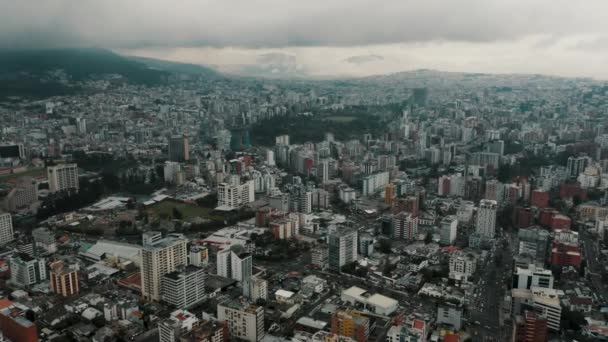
(49, 72)
(175, 67)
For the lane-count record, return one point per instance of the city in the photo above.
(151, 200)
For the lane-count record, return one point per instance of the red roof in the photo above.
(450, 338)
(5, 303)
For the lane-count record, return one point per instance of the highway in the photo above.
(594, 266)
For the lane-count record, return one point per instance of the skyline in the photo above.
(340, 39)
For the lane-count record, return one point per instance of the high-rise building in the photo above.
(22, 195)
(81, 125)
(389, 194)
(576, 165)
(63, 177)
(342, 248)
(64, 279)
(45, 239)
(448, 230)
(486, 219)
(236, 263)
(534, 242)
(245, 322)
(450, 314)
(405, 226)
(232, 196)
(27, 271)
(270, 158)
(6, 229)
(160, 256)
(544, 301)
(180, 322)
(351, 324)
(319, 256)
(179, 149)
(199, 256)
(184, 287)
(259, 288)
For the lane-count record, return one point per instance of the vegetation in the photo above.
(179, 210)
(346, 124)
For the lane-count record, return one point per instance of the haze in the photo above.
(329, 38)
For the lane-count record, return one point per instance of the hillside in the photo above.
(41, 73)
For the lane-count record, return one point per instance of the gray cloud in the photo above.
(283, 23)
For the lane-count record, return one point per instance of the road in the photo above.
(594, 266)
(487, 299)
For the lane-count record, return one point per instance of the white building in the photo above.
(347, 194)
(259, 288)
(27, 271)
(245, 322)
(6, 229)
(375, 182)
(159, 257)
(462, 266)
(232, 196)
(448, 230)
(486, 218)
(526, 278)
(545, 301)
(377, 303)
(450, 314)
(63, 177)
(198, 256)
(270, 158)
(185, 287)
(237, 264)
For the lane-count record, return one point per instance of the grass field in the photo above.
(38, 172)
(341, 118)
(189, 211)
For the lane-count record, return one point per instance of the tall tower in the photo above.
(486, 218)
(159, 257)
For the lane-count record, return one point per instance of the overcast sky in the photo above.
(330, 37)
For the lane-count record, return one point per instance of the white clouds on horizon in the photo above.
(562, 37)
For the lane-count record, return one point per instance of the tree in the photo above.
(177, 214)
(572, 320)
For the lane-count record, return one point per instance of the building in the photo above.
(236, 263)
(259, 288)
(245, 322)
(448, 230)
(351, 324)
(486, 218)
(376, 303)
(27, 271)
(319, 256)
(539, 198)
(198, 256)
(64, 279)
(184, 287)
(160, 256)
(24, 194)
(526, 278)
(179, 149)
(233, 195)
(45, 239)
(179, 323)
(534, 242)
(405, 226)
(542, 300)
(451, 315)
(63, 177)
(6, 229)
(565, 254)
(530, 327)
(462, 266)
(15, 327)
(206, 331)
(389, 194)
(342, 248)
(375, 182)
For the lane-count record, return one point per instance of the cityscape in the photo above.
(148, 199)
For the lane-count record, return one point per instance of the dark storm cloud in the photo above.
(283, 23)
